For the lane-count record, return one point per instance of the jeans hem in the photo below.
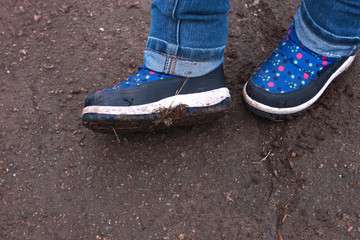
(168, 58)
(321, 41)
(323, 33)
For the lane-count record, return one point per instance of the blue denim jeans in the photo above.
(188, 37)
(329, 27)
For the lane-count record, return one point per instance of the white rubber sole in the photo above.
(292, 110)
(194, 100)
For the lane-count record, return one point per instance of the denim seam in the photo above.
(166, 64)
(182, 58)
(327, 32)
(171, 65)
(173, 68)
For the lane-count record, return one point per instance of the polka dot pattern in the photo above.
(143, 75)
(290, 67)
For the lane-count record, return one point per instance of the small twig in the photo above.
(12, 29)
(4, 22)
(292, 169)
(135, 4)
(168, 110)
(117, 137)
(264, 158)
(280, 237)
(284, 218)
(8, 26)
(246, 149)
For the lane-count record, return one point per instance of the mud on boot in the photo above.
(150, 101)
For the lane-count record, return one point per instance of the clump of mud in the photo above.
(162, 119)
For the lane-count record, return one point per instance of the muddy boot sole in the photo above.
(180, 116)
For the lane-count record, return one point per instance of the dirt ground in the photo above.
(240, 177)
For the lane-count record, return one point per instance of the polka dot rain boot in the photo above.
(291, 79)
(151, 101)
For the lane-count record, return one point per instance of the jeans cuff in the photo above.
(168, 58)
(320, 40)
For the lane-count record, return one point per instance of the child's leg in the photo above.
(182, 81)
(330, 28)
(320, 45)
(187, 38)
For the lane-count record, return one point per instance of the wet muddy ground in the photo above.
(239, 177)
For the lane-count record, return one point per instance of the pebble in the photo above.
(23, 214)
(37, 17)
(23, 51)
(82, 138)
